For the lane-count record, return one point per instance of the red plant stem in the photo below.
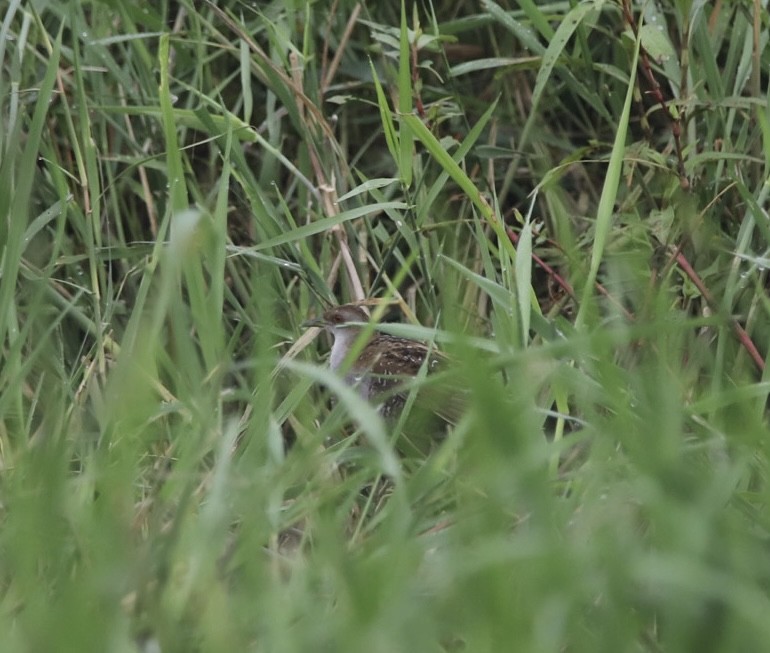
(740, 332)
(561, 281)
(684, 264)
(674, 122)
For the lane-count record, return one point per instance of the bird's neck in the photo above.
(344, 337)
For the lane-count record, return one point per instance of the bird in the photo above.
(384, 364)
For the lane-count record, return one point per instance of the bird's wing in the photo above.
(403, 363)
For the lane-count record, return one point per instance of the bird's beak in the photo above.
(313, 322)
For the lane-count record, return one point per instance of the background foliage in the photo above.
(570, 197)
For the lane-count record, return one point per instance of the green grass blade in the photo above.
(20, 190)
(405, 139)
(606, 206)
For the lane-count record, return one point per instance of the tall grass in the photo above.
(570, 198)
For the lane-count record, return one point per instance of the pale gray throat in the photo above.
(344, 338)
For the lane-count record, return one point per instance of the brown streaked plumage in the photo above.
(384, 362)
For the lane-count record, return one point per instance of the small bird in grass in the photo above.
(384, 364)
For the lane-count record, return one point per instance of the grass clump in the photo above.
(568, 197)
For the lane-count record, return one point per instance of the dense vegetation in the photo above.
(568, 197)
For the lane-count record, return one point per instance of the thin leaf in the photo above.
(609, 193)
